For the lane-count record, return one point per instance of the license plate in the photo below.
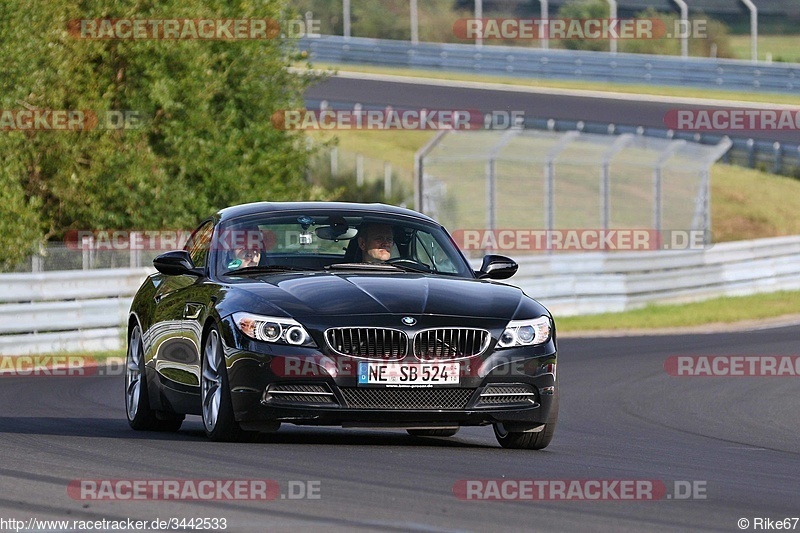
(408, 374)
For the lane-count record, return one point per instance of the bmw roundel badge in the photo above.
(409, 321)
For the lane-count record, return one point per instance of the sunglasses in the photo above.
(247, 253)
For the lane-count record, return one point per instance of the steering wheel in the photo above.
(410, 263)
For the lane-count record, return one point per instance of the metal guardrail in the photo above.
(586, 283)
(70, 285)
(708, 73)
(66, 311)
(568, 284)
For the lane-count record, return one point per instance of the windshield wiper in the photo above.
(271, 269)
(409, 265)
(363, 266)
(403, 265)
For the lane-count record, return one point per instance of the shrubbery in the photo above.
(206, 139)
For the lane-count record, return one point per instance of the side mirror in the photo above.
(176, 263)
(497, 267)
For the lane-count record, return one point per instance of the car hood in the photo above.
(328, 294)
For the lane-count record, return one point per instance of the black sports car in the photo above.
(337, 314)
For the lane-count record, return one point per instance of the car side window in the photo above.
(430, 253)
(199, 244)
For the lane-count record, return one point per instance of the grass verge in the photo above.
(750, 204)
(782, 47)
(677, 91)
(745, 203)
(724, 310)
(106, 355)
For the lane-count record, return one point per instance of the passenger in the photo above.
(245, 257)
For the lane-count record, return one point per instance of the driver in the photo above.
(376, 242)
(245, 245)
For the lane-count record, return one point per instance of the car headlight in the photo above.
(273, 329)
(525, 332)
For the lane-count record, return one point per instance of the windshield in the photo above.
(270, 243)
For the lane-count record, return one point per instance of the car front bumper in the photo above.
(323, 391)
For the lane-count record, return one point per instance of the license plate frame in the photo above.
(394, 374)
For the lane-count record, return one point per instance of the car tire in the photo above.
(217, 409)
(529, 441)
(432, 432)
(137, 402)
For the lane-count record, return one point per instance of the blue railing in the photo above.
(639, 69)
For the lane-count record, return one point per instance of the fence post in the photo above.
(658, 171)
(550, 179)
(37, 263)
(479, 16)
(414, 22)
(491, 176)
(751, 153)
(612, 13)
(684, 27)
(359, 170)
(605, 176)
(491, 200)
(133, 248)
(346, 19)
(544, 38)
(777, 165)
(704, 200)
(387, 180)
(753, 30)
(87, 246)
(419, 169)
(334, 161)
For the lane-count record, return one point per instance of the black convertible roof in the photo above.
(276, 207)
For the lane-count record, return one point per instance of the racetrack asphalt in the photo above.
(592, 106)
(622, 418)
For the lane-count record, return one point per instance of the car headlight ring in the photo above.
(272, 329)
(526, 332)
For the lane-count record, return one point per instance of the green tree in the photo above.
(387, 19)
(205, 140)
(585, 9)
(19, 222)
(344, 186)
